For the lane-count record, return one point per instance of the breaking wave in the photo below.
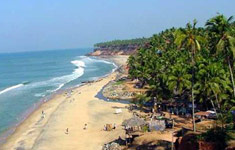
(11, 88)
(59, 82)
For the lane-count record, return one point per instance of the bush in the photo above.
(218, 135)
(145, 128)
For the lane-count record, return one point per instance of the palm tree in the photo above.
(132, 62)
(179, 79)
(141, 71)
(220, 29)
(137, 66)
(212, 83)
(188, 38)
(140, 99)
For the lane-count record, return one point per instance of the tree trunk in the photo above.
(231, 74)
(213, 105)
(216, 96)
(194, 125)
(193, 116)
(222, 116)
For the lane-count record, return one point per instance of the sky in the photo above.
(32, 25)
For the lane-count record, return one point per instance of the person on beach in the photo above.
(114, 126)
(67, 131)
(43, 114)
(85, 127)
(105, 128)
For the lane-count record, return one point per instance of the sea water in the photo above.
(28, 77)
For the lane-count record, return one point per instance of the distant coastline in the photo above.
(118, 47)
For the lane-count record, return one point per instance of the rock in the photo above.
(114, 91)
(111, 146)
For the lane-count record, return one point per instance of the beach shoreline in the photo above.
(11, 129)
(27, 134)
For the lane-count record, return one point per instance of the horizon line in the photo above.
(25, 51)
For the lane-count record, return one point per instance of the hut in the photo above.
(157, 125)
(134, 123)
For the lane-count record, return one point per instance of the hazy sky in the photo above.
(29, 25)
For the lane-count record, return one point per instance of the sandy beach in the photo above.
(72, 112)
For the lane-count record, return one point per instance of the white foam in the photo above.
(11, 88)
(39, 95)
(89, 59)
(92, 60)
(104, 61)
(81, 56)
(78, 63)
(59, 87)
(59, 82)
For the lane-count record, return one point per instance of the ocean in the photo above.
(28, 78)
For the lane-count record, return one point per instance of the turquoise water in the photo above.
(28, 77)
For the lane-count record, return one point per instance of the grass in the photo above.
(118, 82)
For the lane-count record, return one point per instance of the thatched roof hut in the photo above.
(135, 121)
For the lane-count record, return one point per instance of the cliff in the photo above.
(115, 50)
(118, 47)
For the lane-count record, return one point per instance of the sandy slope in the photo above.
(72, 113)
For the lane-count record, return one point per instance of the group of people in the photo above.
(69, 93)
(71, 100)
(128, 137)
(178, 110)
(106, 128)
(127, 128)
(67, 129)
(85, 127)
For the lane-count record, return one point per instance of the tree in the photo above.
(140, 99)
(179, 79)
(223, 42)
(212, 83)
(188, 62)
(188, 38)
(132, 62)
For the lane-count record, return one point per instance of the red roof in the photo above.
(202, 113)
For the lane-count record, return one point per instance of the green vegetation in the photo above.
(137, 42)
(217, 135)
(196, 64)
(145, 128)
(140, 99)
(118, 82)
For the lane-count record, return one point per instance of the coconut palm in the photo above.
(132, 65)
(222, 40)
(175, 57)
(188, 38)
(179, 79)
(212, 83)
(140, 99)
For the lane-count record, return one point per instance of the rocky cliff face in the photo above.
(114, 50)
